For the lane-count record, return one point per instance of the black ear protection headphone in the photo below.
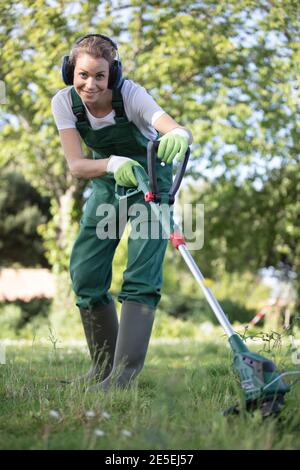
(115, 71)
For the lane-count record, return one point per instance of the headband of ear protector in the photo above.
(115, 71)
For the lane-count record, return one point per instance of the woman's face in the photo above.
(91, 78)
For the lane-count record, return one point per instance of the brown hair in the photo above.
(95, 46)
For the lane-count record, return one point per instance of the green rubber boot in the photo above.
(100, 326)
(133, 339)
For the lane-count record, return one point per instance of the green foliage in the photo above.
(179, 315)
(34, 308)
(251, 227)
(240, 294)
(64, 317)
(24, 319)
(31, 56)
(22, 210)
(166, 326)
(10, 318)
(245, 288)
(227, 70)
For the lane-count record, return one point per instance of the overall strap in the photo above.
(118, 105)
(78, 107)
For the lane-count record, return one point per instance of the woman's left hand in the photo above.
(173, 143)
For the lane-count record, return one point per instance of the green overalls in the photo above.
(91, 258)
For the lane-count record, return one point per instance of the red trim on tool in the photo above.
(260, 315)
(177, 239)
(149, 197)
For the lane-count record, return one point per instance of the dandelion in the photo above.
(99, 432)
(54, 414)
(90, 414)
(126, 433)
(105, 415)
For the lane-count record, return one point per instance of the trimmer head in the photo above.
(261, 382)
(270, 406)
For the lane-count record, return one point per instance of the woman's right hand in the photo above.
(122, 169)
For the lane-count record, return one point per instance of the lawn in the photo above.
(178, 403)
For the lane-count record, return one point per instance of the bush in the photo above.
(167, 327)
(240, 296)
(10, 316)
(64, 316)
(21, 318)
(182, 308)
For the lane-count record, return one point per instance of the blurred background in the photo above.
(227, 70)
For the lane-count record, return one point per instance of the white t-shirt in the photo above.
(140, 108)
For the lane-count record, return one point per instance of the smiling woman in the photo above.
(116, 118)
(91, 82)
(91, 77)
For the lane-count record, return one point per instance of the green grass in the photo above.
(177, 405)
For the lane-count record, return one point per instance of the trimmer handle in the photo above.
(151, 161)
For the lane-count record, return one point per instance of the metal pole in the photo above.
(216, 307)
(164, 222)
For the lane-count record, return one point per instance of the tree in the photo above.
(250, 227)
(227, 69)
(33, 38)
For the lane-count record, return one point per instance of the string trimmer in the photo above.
(261, 382)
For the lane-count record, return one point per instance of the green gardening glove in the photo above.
(122, 169)
(173, 143)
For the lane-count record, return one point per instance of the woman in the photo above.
(116, 118)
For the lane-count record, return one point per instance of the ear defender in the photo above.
(115, 71)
